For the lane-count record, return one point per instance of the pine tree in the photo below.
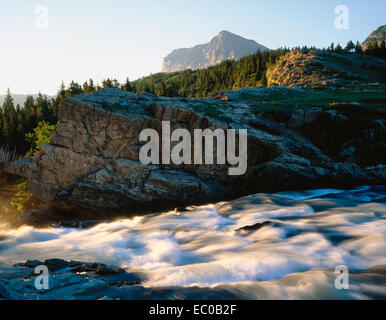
(162, 91)
(358, 48)
(62, 91)
(383, 50)
(88, 87)
(350, 46)
(127, 86)
(8, 120)
(338, 48)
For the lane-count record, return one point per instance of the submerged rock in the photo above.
(55, 265)
(19, 284)
(255, 227)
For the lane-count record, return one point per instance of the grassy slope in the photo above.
(322, 69)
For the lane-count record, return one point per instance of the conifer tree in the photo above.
(358, 48)
(350, 46)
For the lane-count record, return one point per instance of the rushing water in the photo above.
(283, 245)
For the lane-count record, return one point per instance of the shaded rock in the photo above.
(255, 227)
(378, 172)
(43, 191)
(29, 264)
(79, 224)
(96, 268)
(180, 210)
(270, 126)
(24, 167)
(304, 116)
(58, 264)
(55, 265)
(106, 270)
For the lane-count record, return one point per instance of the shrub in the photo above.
(42, 133)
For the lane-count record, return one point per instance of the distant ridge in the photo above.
(19, 98)
(224, 46)
(378, 35)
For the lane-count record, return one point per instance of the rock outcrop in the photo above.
(378, 36)
(224, 46)
(72, 280)
(322, 69)
(92, 165)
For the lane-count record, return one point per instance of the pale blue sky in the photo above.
(120, 38)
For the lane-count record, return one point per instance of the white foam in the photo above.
(203, 247)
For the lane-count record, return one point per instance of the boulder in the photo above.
(91, 164)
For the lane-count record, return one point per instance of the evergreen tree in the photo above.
(248, 71)
(74, 89)
(350, 46)
(358, 48)
(127, 86)
(17, 122)
(162, 91)
(88, 87)
(110, 83)
(338, 48)
(9, 124)
(62, 91)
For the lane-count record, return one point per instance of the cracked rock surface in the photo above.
(91, 164)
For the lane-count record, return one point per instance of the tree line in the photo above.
(249, 71)
(23, 127)
(17, 122)
(373, 49)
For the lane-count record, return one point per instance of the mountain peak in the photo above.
(224, 46)
(225, 33)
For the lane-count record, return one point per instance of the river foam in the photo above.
(299, 233)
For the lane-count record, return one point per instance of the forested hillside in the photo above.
(249, 71)
(17, 122)
(23, 127)
(228, 75)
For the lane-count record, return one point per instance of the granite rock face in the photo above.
(92, 165)
(224, 46)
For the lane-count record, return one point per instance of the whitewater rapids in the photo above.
(264, 246)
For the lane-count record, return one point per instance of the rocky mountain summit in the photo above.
(224, 46)
(92, 165)
(379, 35)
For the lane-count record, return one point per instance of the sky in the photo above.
(96, 39)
